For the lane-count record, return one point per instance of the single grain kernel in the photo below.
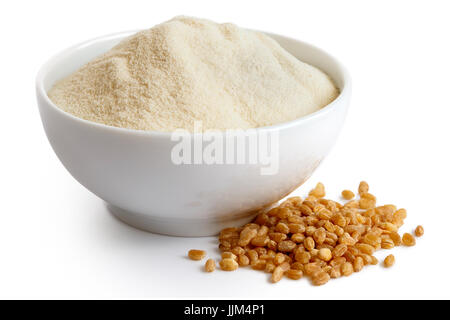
(325, 254)
(282, 228)
(309, 243)
(253, 255)
(389, 261)
(365, 248)
(335, 271)
(339, 250)
(294, 274)
(419, 231)
(279, 258)
(259, 241)
(319, 235)
(365, 203)
(210, 265)
(277, 274)
(298, 237)
(247, 234)
(374, 260)
(258, 264)
(347, 195)
(346, 269)
(320, 278)
(285, 266)
(270, 266)
(358, 264)
(312, 268)
(277, 236)
(408, 240)
(303, 257)
(387, 244)
(228, 264)
(243, 260)
(363, 187)
(396, 238)
(228, 254)
(286, 246)
(196, 254)
(318, 191)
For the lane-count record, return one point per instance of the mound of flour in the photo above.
(188, 69)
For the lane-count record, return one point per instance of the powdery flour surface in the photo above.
(188, 69)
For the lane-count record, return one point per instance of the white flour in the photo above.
(188, 69)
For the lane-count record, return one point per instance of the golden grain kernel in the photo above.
(335, 271)
(305, 210)
(309, 243)
(347, 240)
(243, 260)
(368, 196)
(337, 261)
(296, 228)
(372, 239)
(312, 268)
(196, 254)
(325, 254)
(389, 261)
(294, 274)
(396, 238)
(339, 250)
(419, 231)
(285, 266)
(272, 245)
(387, 244)
(347, 195)
(408, 240)
(363, 187)
(210, 265)
(365, 203)
(277, 236)
(318, 191)
(346, 269)
(286, 246)
(295, 218)
(238, 251)
(279, 258)
(282, 227)
(228, 254)
(320, 235)
(253, 255)
(258, 264)
(284, 213)
(259, 241)
(277, 274)
(247, 234)
(298, 237)
(358, 264)
(228, 264)
(366, 258)
(270, 267)
(352, 204)
(303, 257)
(320, 278)
(365, 248)
(374, 260)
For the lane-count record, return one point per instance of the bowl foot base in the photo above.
(178, 227)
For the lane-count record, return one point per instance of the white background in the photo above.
(57, 240)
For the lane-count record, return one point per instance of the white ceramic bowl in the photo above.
(132, 170)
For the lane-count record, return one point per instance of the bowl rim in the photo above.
(345, 90)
